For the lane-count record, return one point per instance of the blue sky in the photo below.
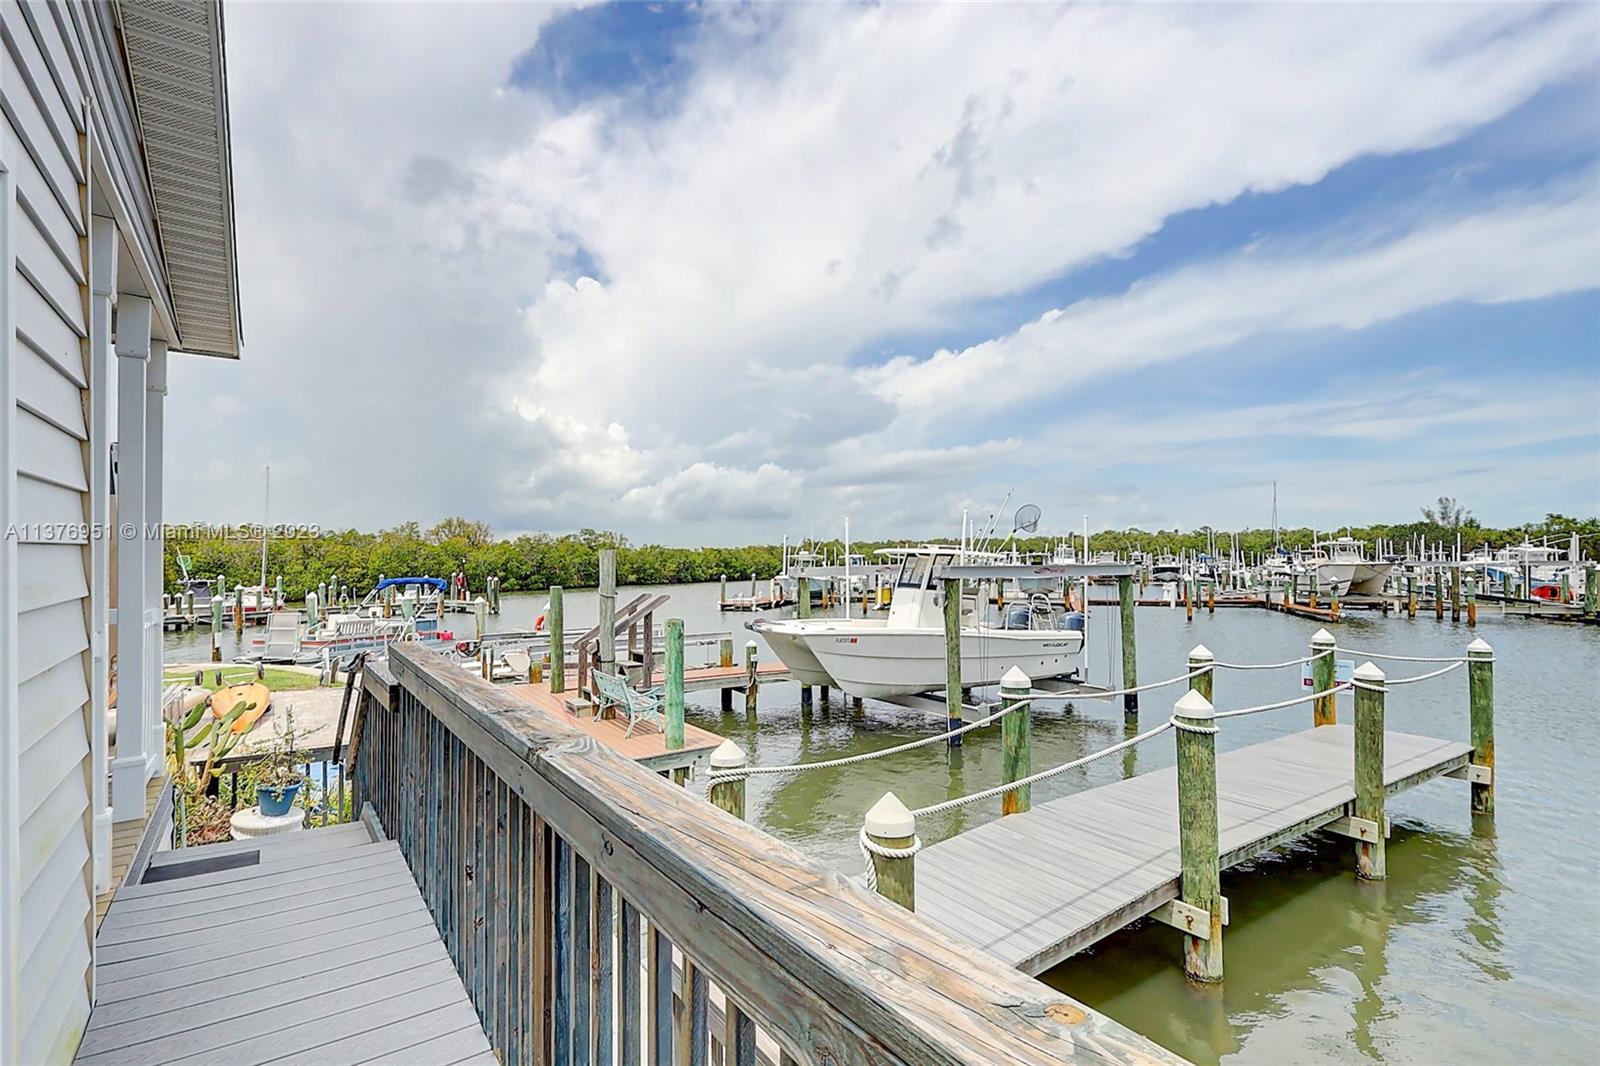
(716, 273)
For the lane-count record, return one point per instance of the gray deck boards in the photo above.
(322, 952)
(1079, 868)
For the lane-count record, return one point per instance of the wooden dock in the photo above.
(312, 947)
(1037, 887)
(647, 746)
(725, 678)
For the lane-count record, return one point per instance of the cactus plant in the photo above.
(188, 734)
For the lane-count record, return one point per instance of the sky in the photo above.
(715, 274)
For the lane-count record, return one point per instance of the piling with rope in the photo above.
(889, 841)
(1371, 860)
(1325, 710)
(1201, 670)
(1201, 884)
(728, 793)
(1480, 696)
(1016, 740)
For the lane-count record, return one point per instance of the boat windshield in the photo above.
(914, 571)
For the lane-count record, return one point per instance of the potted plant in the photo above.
(278, 779)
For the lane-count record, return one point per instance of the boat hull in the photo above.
(905, 662)
(786, 639)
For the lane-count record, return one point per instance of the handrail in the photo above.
(823, 970)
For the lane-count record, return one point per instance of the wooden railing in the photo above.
(599, 914)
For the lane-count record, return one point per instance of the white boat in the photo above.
(1341, 568)
(904, 654)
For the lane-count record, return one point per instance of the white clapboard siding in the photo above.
(44, 76)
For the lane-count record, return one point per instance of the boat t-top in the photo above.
(904, 653)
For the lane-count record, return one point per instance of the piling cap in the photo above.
(1322, 636)
(1369, 671)
(890, 818)
(1195, 707)
(1479, 647)
(749, 644)
(728, 756)
(1202, 653)
(1016, 680)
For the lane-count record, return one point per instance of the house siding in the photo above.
(46, 690)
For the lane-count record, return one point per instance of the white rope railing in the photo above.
(1403, 658)
(849, 760)
(1391, 682)
(870, 847)
(1274, 666)
(1307, 698)
(990, 793)
(1043, 696)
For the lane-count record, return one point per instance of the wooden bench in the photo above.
(615, 691)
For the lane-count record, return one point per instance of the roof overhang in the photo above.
(175, 59)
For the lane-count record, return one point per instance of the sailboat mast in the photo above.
(266, 511)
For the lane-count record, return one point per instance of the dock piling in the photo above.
(1201, 882)
(1589, 590)
(608, 610)
(1324, 709)
(674, 666)
(728, 794)
(1201, 659)
(216, 628)
(312, 600)
(952, 657)
(725, 652)
(751, 685)
(480, 615)
(802, 591)
(1480, 689)
(238, 608)
(1411, 596)
(1130, 652)
(1472, 600)
(890, 839)
(558, 642)
(1016, 742)
(1371, 860)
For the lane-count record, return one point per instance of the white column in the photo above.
(131, 768)
(12, 935)
(154, 401)
(103, 285)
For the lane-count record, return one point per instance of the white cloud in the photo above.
(830, 176)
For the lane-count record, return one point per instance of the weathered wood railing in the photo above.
(599, 914)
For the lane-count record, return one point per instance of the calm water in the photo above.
(1483, 945)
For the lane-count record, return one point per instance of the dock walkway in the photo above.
(1037, 887)
(313, 947)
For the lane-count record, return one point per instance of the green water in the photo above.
(1483, 945)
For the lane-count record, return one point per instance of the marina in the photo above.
(741, 535)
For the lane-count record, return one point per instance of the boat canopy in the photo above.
(389, 582)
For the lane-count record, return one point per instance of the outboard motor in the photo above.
(1071, 620)
(1017, 616)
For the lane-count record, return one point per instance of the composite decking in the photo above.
(1035, 888)
(315, 947)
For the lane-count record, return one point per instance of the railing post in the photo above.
(1130, 652)
(891, 827)
(728, 794)
(1480, 688)
(674, 665)
(1324, 709)
(952, 656)
(1016, 741)
(1200, 658)
(1195, 721)
(558, 642)
(1371, 861)
(751, 685)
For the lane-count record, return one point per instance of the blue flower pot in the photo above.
(275, 802)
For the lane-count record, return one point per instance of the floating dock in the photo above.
(1037, 887)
